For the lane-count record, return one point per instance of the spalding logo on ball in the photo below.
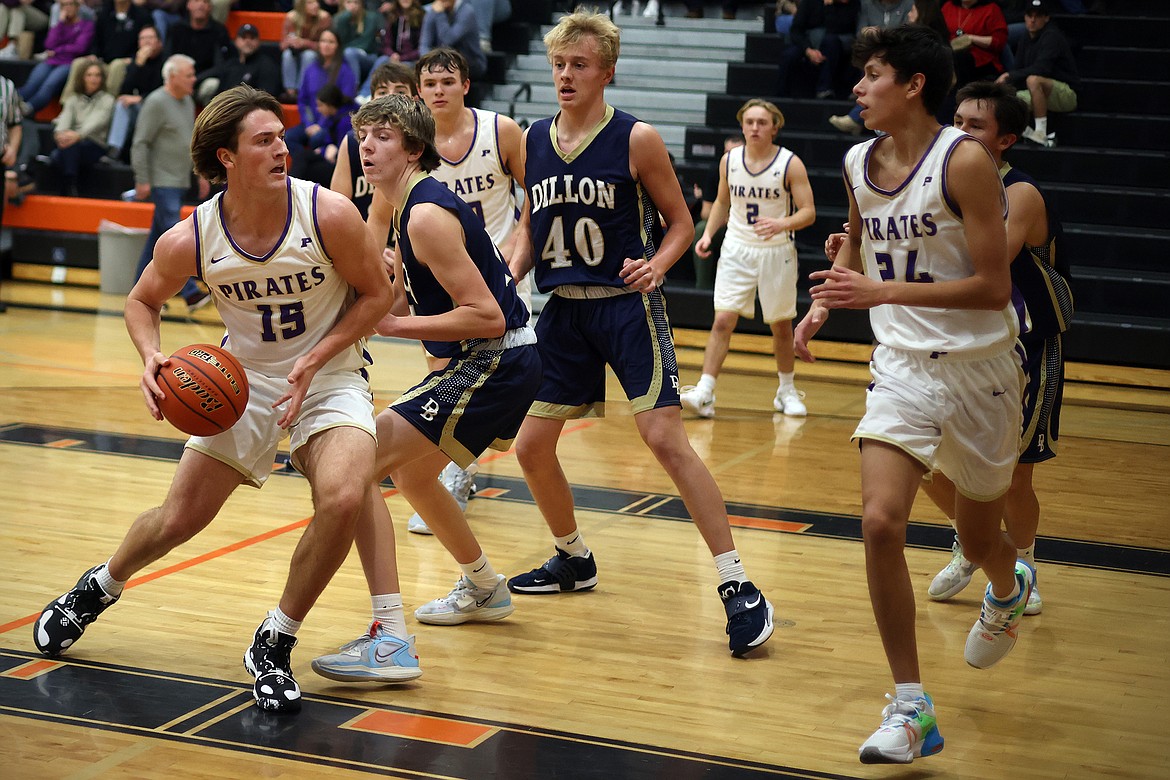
(206, 390)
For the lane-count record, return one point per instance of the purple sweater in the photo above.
(68, 41)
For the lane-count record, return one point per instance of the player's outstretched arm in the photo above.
(438, 243)
(650, 165)
(175, 261)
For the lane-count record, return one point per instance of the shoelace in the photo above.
(899, 711)
(997, 618)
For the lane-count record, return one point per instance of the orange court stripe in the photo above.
(61, 444)
(490, 493)
(741, 521)
(233, 547)
(424, 727)
(31, 669)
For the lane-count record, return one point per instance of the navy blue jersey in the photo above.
(425, 294)
(588, 212)
(1040, 273)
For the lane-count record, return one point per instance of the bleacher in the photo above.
(1109, 175)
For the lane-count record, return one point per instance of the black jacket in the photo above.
(1048, 54)
(836, 19)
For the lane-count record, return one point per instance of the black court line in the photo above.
(1069, 552)
(184, 708)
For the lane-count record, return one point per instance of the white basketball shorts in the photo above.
(745, 269)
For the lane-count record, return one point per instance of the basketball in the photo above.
(206, 390)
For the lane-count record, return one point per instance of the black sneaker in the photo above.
(559, 574)
(749, 616)
(269, 661)
(63, 621)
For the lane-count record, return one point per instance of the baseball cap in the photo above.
(247, 31)
(1038, 7)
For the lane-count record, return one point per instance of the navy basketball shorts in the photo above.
(578, 337)
(1043, 393)
(477, 401)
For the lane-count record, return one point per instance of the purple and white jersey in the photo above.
(915, 233)
(279, 305)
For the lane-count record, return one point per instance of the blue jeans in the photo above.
(359, 61)
(122, 125)
(168, 201)
(293, 64)
(44, 83)
(71, 161)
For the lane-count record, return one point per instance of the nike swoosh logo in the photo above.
(480, 603)
(382, 655)
(481, 568)
(216, 260)
(998, 392)
(754, 604)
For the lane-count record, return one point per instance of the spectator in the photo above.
(115, 39)
(1045, 73)
(17, 16)
(200, 37)
(705, 266)
(316, 160)
(67, 39)
(80, 130)
(822, 31)
(491, 12)
(298, 44)
(877, 14)
(928, 13)
(329, 68)
(785, 10)
(161, 158)
(357, 28)
(165, 13)
(977, 31)
(11, 134)
(143, 76)
(452, 23)
(249, 66)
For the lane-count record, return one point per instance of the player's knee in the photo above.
(176, 528)
(1035, 82)
(342, 503)
(881, 529)
(534, 455)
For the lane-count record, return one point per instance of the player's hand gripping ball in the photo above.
(206, 390)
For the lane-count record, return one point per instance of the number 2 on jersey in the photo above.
(888, 269)
(587, 239)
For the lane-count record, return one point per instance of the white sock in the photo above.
(1011, 597)
(706, 384)
(908, 691)
(106, 581)
(729, 567)
(480, 572)
(1042, 125)
(786, 379)
(284, 624)
(573, 544)
(1027, 554)
(387, 610)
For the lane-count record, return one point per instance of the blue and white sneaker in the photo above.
(466, 603)
(994, 633)
(561, 573)
(909, 730)
(749, 616)
(376, 656)
(64, 620)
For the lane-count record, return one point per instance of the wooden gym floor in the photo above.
(630, 681)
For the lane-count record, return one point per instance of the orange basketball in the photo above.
(206, 390)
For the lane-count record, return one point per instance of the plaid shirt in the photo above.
(10, 115)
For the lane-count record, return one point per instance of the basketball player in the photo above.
(480, 154)
(993, 114)
(298, 282)
(764, 197)
(945, 391)
(348, 178)
(453, 292)
(596, 180)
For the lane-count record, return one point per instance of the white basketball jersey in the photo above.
(756, 194)
(914, 233)
(480, 179)
(277, 306)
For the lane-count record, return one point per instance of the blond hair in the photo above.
(777, 116)
(575, 27)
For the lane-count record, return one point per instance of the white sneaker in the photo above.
(651, 9)
(955, 576)
(846, 124)
(909, 730)
(9, 52)
(416, 525)
(788, 400)
(1035, 603)
(1034, 135)
(467, 603)
(994, 633)
(459, 482)
(695, 400)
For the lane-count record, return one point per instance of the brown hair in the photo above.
(218, 127)
(408, 116)
(777, 115)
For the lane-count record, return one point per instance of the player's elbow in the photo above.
(998, 295)
(494, 323)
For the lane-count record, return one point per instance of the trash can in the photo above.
(119, 248)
